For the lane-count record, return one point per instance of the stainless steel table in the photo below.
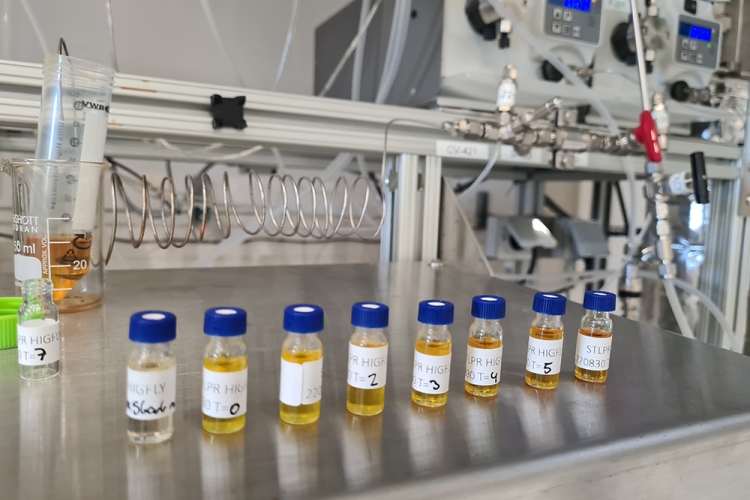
(673, 421)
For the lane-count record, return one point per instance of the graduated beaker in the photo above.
(57, 235)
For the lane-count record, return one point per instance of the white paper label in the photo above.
(506, 94)
(618, 5)
(27, 268)
(592, 353)
(367, 366)
(431, 373)
(544, 356)
(483, 365)
(509, 153)
(224, 393)
(38, 342)
(151, 394)
(301, 383)
(460, 149)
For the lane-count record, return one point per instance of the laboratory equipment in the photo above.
(38, 331)
(432, 354)
(152, 377)
(9, 321)
(368, 359)
(73, 120)
(484, 354)
(224, 370)
(594, 344)
(49, 242)
(544, 356)
(301, 379)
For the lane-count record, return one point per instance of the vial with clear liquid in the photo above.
(301, 365)
(544, 355)
(152, 377)
(432, 354)
(595, 337)
(224, 370)
(368, 359)
(484, 353)
(38, 331)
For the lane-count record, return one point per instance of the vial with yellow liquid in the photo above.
(368, 359)
(484, 354)
(432, 354)
(546, 341)
(595, 337)
(224, 370)
(301, 365)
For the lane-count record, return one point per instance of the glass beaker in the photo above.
(52, 241)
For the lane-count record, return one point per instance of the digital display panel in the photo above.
(694, 32)
(582, 5)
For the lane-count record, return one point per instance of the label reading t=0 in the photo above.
(224, 393)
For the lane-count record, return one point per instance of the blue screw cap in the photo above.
(225, 321)
(488, 307)
(153, 327)
(435, 312)
(549, 303)
(596, 300)
(370, 315)
(303, 318)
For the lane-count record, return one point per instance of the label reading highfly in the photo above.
(483, 365)
(151, 394)
(224, 393)
(592, 353)
(544, 356)
(367, 366)
(301, 383)
(431, 373)
(38, 342)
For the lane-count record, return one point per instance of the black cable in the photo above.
(555, 208)
(460, 188)
(621, 200)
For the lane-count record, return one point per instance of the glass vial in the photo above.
(595, 337)
(301, 365)
(38, 331)
(368, 359)
(484, 354)
(545, 341)
(432, 354)
(224, 370)
(152, 377)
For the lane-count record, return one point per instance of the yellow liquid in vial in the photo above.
(69, 259)
(225, 365)
(596, 376)
(302, 414)
(366, 402)
(431, 349)
(544, 381)
(484, 391)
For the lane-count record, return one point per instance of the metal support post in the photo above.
(406, 242)
(431, 217)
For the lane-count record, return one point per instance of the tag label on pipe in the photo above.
(618, 5)
(460, 149)
(508, 153)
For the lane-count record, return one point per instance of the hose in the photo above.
(35, 26)
(219, 42)
(113, 46)
(395, 50)
(735, 339)
(359, 53)
(481, 177)
(677, 310)
(287, 43)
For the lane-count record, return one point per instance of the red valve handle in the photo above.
(647, 135)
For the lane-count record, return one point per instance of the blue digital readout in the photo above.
(695, 32)
(582, 5)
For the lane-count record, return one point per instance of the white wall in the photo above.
(171, 38)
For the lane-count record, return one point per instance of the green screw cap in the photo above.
(8, 321)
